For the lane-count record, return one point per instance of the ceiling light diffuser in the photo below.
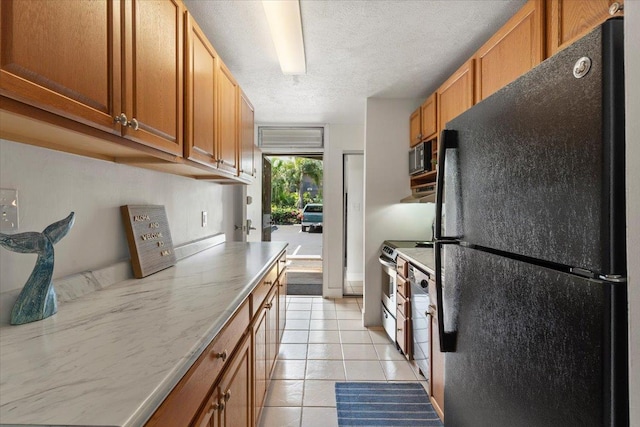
(286, 31)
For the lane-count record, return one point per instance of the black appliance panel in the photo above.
(537, 163)
(534, 346)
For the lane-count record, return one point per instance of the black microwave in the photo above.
(420, 158)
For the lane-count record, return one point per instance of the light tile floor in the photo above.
(324, 342)
(352, 287)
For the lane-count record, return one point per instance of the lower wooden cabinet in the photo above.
(273, 337)
(230, 403)
(228, 383)
(236, 389)
(282, 302)
(260, 360)
(436, 361)
(266, 340)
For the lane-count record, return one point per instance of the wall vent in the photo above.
(290, 139)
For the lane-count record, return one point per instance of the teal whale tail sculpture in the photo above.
(37, 300)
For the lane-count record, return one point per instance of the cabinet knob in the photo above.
(268, 282)
(215, 406)
(268, 306)
(122, 119)
(615, 8)
(227, 396)
(222, 355)
(134, 124)
(221, 406)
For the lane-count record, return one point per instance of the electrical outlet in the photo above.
(8, 210)
(204, 218)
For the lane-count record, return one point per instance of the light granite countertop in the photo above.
(421, 257)
(110, 357)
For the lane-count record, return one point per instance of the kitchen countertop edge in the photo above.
(149, 404)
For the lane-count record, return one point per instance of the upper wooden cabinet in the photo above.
(227, 120)
(429, 118)
(64, 57)
(200, 96)
(515, 49)
(116, 66)
(246, 136)
(455, 96)
(153, 63)
(568, 20)
(414, 128)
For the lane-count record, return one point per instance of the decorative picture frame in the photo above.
(149, 238)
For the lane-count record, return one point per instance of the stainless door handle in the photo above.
(134, 124)
(122, 119)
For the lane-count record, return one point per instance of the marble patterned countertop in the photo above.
(110, 357)
(421, 257)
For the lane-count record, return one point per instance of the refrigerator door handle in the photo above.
(448, 139)
(447, 339)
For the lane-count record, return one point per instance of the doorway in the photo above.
(353, 203)
(296, 217)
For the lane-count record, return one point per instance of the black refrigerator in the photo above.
(530, 251)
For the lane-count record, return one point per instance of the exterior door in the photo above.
(266, 199)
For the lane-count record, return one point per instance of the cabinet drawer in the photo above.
(403, 287)
(402, 267)
(185, 399)
(260, 292)
(403, 306)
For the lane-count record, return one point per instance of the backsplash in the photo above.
(50, 184)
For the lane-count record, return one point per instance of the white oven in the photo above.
(388, 295)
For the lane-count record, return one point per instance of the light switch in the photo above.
(8, 210)
(204, 218)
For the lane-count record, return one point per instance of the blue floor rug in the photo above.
(384, 404)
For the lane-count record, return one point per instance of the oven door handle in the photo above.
(386, 263)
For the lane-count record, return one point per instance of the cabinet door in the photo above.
(246, 136)
(569, 20)
(63, 56)
(272, 330)
(414, 128)
(200, 96)
(236, 389)
(436, 359)
(154, 73)
(455, 96)
(282, 304)
(429, 118)
(227, 120)
(512, 51)
(210, 414)
(401, 333)
(259, 361)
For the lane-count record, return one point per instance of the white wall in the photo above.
(341, 138)
(632, 84)
(386, 182)
(51, 184)
(354, 186)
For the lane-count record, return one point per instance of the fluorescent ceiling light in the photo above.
(286, 31)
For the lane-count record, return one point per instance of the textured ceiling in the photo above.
(354, 50)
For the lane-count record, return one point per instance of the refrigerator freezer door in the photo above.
(535, 347)
(540, 164)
